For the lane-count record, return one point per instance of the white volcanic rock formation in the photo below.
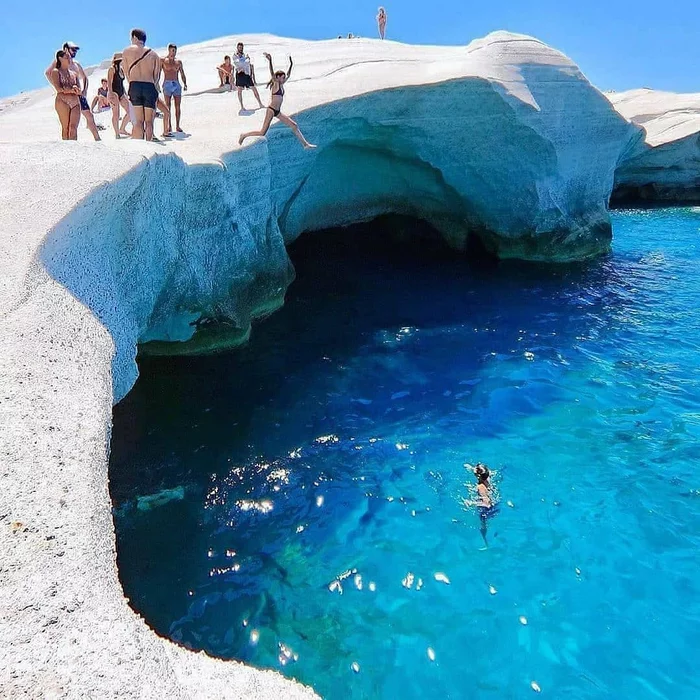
(665, 165)
(107, 245)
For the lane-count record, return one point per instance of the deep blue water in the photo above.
(332, 448)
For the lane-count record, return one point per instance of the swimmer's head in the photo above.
(481, 472)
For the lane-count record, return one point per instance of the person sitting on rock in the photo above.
(226, 73)
(277, 81)
(101, 99)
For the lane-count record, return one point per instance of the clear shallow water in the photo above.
(335, 441)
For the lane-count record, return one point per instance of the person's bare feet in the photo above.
(308, 146)
(179, 130)
(240, 140)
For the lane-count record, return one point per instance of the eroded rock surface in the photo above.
(664, 166)
(107, 245)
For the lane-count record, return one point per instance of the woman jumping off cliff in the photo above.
(277, 80)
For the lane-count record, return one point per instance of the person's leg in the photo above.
(73, 123)
(240, 95)
(114, 102)
(139, 114)
(149, 116)
(91, 123)
(125, 106)
(257, 95)
(63, 111)
(221, 77)
(295, 128)
(166, 116)
(178, 100)
(263, 131)
(167, 125)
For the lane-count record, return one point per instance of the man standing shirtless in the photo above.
(172, 70)
(72, 49)
(142, 68)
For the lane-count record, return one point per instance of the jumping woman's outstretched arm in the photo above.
(291, 65)
(269, 62)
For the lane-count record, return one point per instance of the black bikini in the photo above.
(280, 92)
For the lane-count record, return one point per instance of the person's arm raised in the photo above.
(291, 65)
(269, 62)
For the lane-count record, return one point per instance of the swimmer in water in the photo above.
(485, 502)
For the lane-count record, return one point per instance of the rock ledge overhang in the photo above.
(103, 246)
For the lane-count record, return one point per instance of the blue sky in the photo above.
(619, 44)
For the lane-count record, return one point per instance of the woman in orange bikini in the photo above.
(277, 80)
(67, 86)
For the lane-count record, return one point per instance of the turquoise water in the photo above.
(251, 487)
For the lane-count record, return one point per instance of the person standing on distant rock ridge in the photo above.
(71, 50)
(381, 22)
(277, 81)
(67, 85)
(117, 95)
(245, 75)
(142, 69)
(172, 70)
(226, 73)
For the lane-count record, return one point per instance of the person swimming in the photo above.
(485, 497)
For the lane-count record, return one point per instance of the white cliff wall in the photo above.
(103, 246)
(170, 245)
(663, 167)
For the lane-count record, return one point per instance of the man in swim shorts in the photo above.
(72, 49)
(172, 70)
(245, 75)
(142, 68)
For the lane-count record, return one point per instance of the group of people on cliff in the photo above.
(138, 105)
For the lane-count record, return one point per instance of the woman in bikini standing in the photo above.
(67, 86)
(117, 95)
(381, 21)
(276, 85)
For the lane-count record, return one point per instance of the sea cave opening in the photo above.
(282, 502)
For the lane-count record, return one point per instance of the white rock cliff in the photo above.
(104, 246)
(664, 166)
